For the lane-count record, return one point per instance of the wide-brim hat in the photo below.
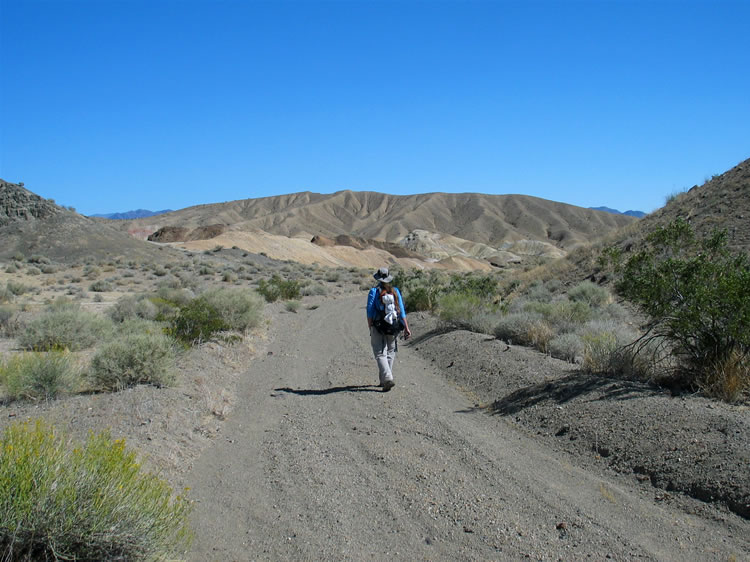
(383, 276)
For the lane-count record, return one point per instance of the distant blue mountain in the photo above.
(138, 214)
(636, 214)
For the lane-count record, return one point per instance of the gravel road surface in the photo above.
(316, 463)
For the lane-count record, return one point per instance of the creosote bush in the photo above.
(695, 293)
(196, 322)
(61, 500)
(38, 376)
(277, 288)
(64, 325)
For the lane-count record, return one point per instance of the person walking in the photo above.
(386, 317)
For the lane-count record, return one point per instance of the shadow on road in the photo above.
(568, 388)
(332, 390)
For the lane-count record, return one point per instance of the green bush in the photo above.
(16, 289)
(196, 322)
(64, 325)
(100, 286)
(590, 293)
(695, 293)
(418, 299)
(61, 500)
(292, 306)
(562, 315)
(459, 309)
(38, 376)
(277, 288)
(131, 359)
(133, 306)
(239, 309)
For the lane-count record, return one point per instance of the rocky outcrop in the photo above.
(167, 234)
(19, 204)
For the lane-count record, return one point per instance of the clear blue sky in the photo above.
(116, 105)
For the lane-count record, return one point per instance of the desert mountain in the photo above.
(137, 214)
(30, 224)
(636, 214)
(437, 226)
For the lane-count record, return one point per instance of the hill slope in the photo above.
(494, 221)
(30, 224)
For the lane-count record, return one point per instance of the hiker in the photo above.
(386, 317)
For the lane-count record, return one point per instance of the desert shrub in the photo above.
(539, 293)
(196, 322)
(728, 379)
(239, 309)
(38, 376)
(313, 289)
(292, 306)
(607, 348)
(100, 286)
(694, 291)
(566, 346)
(16, 289)
(482, 286)
(178, 296)
(459, 309)
(12, 267)
(515, 327)
(8, 320)
(39, 259)
(420, 290)
(417, 300)
(133, 306)
(62, 500)
(563, 315)
(64, 325)
(229, 277)
(160, 271)
(133, 358)
(47, 269)
(589, 293)
(332, 276)
(277, 288)
(91, 271)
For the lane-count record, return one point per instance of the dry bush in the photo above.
(64, 325)
(568, 347)
(132, 359)
(38, 376)
(728, 379)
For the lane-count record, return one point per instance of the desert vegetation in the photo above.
(63, 500)
(694, 291)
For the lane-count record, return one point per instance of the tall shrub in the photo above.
(695, 292)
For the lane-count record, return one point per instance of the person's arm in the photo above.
(407, 331)
(371, 306)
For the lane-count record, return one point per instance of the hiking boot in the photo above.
(387, 385)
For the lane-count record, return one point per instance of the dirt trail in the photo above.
(316, 463)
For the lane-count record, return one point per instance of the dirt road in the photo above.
(316, 463)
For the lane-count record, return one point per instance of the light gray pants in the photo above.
(384, 349)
